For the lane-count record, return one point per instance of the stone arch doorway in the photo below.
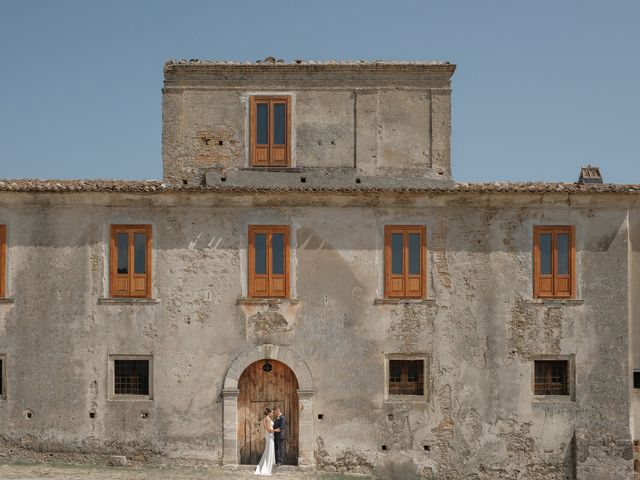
(263, 384)
(305, 392)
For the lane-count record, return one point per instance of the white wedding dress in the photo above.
(268, 459)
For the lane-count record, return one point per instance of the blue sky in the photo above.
(542, 87)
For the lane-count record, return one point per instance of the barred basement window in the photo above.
(551, 377)
(406, 377)
(131, 377)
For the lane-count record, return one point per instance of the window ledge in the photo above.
(130, 398)
(399, 301)
(127, 301)
(273, 169)
(562, 399)
(267, 301)
(556, 301)
(395, 399)
(7, 300)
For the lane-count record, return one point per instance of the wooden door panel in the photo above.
(260, 389)
(546, 285)
(414, 287)
(261, 156)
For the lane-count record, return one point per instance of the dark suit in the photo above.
(279, 438)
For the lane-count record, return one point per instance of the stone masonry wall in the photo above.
(371, 123)
(479, 330)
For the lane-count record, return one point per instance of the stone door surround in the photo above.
(230, 393)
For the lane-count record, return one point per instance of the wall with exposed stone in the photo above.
(369, 119)
(479, 329)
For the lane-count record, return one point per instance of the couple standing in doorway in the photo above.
(274, 440)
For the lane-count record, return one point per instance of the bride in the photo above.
(268, 456)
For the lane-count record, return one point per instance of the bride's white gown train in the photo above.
(268, 459)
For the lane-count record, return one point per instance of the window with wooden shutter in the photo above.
(130, 265)
(268, 261)
(405, 251)
(406, 377)
(270, 131)
(554, 262)
(551, 377)
(3, 261)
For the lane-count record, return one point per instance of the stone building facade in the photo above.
(308, 246)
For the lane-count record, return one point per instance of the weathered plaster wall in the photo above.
(479, 329)
(634, 303)
(363, 123)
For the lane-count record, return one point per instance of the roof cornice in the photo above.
(154, 186)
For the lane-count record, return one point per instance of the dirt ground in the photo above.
(53, 471)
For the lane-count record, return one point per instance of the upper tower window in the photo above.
(270, 126)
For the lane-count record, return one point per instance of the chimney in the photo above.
(590, 174)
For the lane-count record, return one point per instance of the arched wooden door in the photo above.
(264, 384)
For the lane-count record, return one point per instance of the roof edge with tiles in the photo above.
(155, 186)
(212, 66)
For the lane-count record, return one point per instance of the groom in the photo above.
(279, 436)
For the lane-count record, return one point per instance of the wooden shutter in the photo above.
(258, 283)
(140, 282)
(543, 283)
(279, 154)
(130, 284)
(414, 283)
(564, 282)
(555, 284)
(269, 284)
(278, 283)
(259, 152)
(119, 282)
(394, 283)
(271, 154)
(405, 284)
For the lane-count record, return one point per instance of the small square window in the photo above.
(551, 377)
(131, 377)
(406, 376)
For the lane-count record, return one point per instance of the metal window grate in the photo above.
(551, 377)
(406, 377)
(131, 377)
